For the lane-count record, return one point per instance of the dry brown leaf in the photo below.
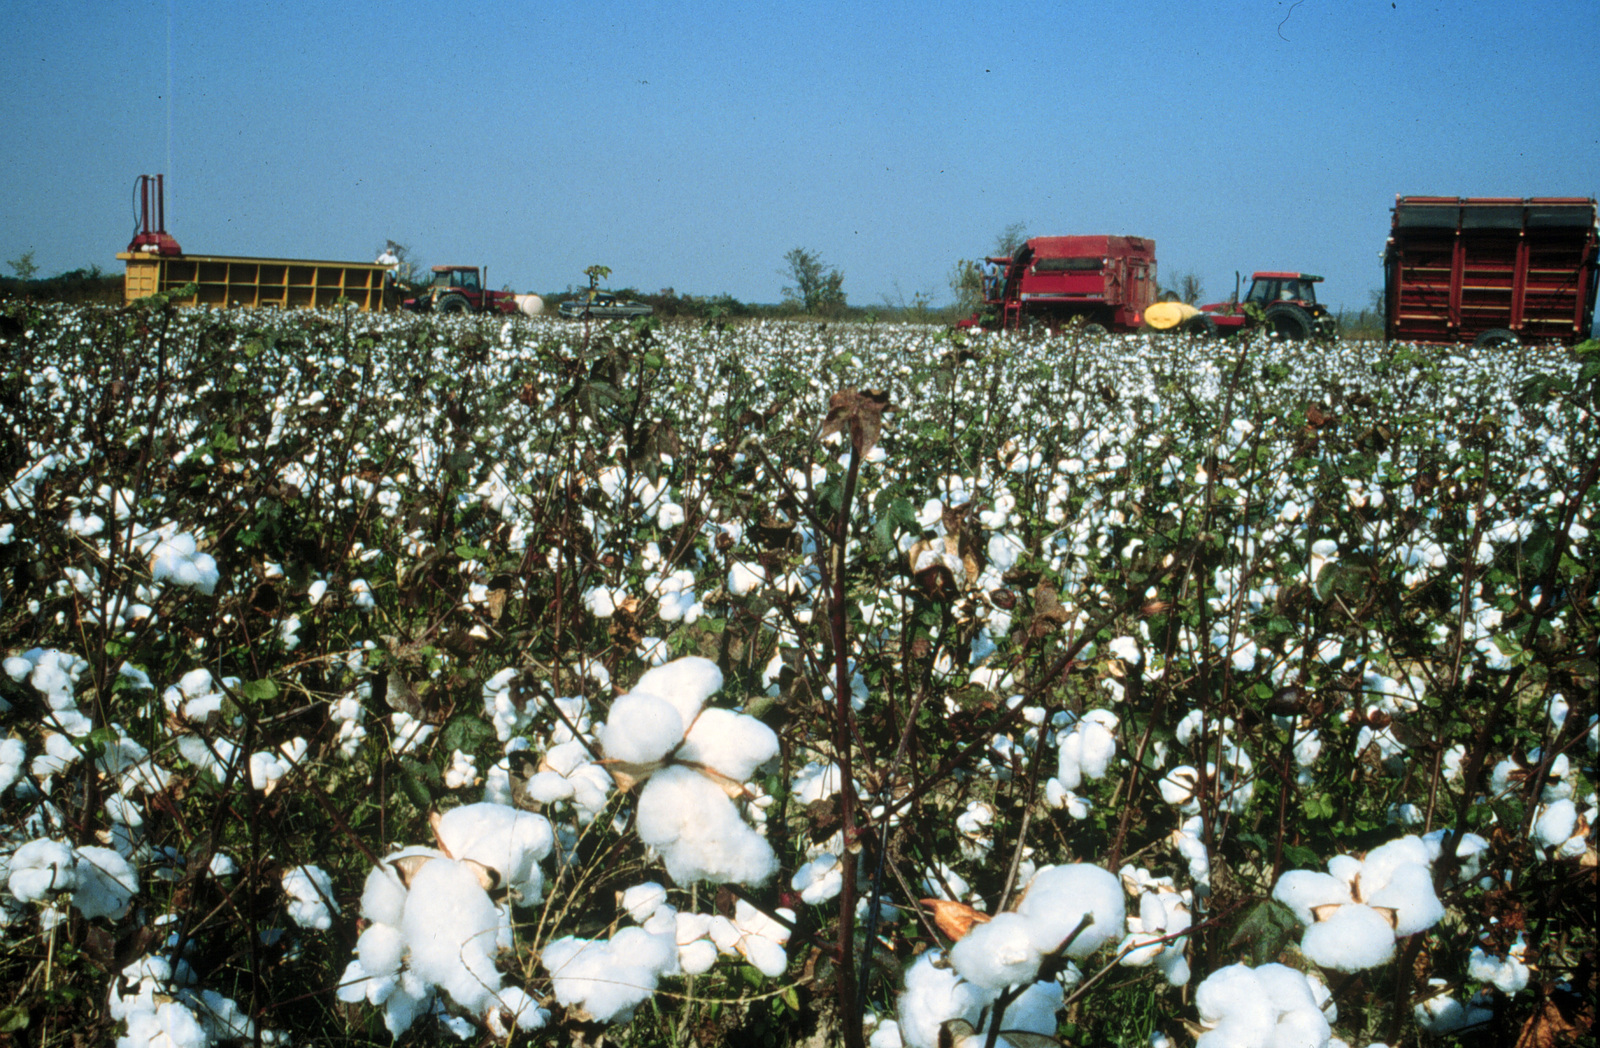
(1549, 1028)
(858, 415)
(408, 866)
(955, 919)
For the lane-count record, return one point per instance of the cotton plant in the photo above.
(1263, 1007)
(693, 761)
(434, 929)
(1354, 912)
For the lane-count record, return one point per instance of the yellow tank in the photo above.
(1168, 316)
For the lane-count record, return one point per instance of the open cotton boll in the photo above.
(1555, 823)
(933, 996)
(1236, 1007)
(451, 928)
(642, 900)
(40, 868)
(608, 980)
(1352, 938)
(818, 880)
(1058, 899)
(997, 954)
(310, 892)
(177, 560)
(508, 841)
(642, 728)
(1409, 893)
(380, 949)
(698, 832)
(686, 683)
(106, 884)
(1305, 890)
(734, 744)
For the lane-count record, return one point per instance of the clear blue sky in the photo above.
(691, 145)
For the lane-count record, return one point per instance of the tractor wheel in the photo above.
(1287, 320)
(1327, 327)
(1496, 337)
(452, 304)
(1094, 331)
(1201, 326)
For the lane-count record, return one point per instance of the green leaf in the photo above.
(1265, 930)
(259, 691)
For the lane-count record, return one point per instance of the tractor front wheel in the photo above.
(1201, 326)
(1287, 320)
(453, 304)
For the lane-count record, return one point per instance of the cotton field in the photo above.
(376, 678)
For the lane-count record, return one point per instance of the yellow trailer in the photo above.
(290, 283)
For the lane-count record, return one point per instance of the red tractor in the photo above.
(458, 289)
(1285, 303)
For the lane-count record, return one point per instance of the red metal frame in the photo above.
(1456, 268)
(152, 238)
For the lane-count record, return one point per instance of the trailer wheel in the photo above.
(1095, 331)
(1201, 326)
(1496, 337)
(452, 304)
(1287, 320)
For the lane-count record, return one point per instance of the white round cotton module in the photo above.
(1353, 938)
(642, 728)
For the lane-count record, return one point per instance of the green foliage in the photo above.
(817, 289)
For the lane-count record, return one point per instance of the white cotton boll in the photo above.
(508, 841)
(1069, 761)
(697, 957)
(699, 833)
(1098, 748)
(745, 578)
(1352, 938)
(1382, 861)
(933, 996)
(383, 895)
(998, 953)
(1059, 897)
(641, 900)
(735, 744)
(1299, 1028)
(40, 868)
(816, 782)
(1179, 788)
(1234, 1004)
(1555, 823)
(177, 560)
(1442, 1015)
(1034, 1010)
(106, 884)
(316, 591)
(642, 728)
(524, 1011)
(168, 1025)
(1409, 893)
(686, 683)
(380, 949)
(13, 753)
(1303, 890)
(818, 880)
(451, 927)
(310, 892)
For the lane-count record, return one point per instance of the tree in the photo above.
(1187, 288)
(966, 284)
(818, 289)
(23, 265)
(1011, 239)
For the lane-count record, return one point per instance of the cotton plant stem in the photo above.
(849, 1004)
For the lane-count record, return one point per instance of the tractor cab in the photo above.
(1269, 288)
(459, 289)
(456, 278)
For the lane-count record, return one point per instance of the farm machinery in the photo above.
(1282, 303)
(459, 289)
(1102, 283)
